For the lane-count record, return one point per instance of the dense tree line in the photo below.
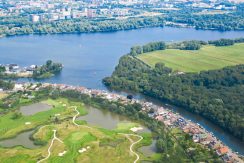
(191, 45)
(20, 27)
(184, 45)
(160, 45)
(222, 42)
(135, 50)
(2, 69)
(216, 94)
(47, 69)
(226, 42)
(6, 85)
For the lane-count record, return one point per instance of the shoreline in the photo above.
(114, 31)
(163, 114)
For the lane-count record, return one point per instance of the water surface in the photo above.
(149, 150)
(22, 139)
(88, 58)
(102, 118)
(34, 108)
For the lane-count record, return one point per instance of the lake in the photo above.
(88, 58)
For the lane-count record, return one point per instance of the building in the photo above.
(91, 13)
(222, 151)
(35, 18)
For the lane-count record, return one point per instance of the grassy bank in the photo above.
(207, 58)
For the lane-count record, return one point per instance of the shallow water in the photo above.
(34, 108)
(22, 139)
(102, 118)
(148, 150)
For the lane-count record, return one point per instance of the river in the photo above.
(88, 58)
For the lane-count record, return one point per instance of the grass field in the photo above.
(207, 58)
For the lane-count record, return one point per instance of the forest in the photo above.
(215, 94)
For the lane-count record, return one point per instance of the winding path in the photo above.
(75, 116)
(127, 135)
(49, 148)
(133, 143)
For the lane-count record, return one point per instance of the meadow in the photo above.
(207, 58)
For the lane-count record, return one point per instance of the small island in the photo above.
(47, 70)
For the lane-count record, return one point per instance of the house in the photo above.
(159, 118)
(203, 137)
(222, 151)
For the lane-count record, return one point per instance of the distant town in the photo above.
(15, 69)
(48, 11)
(43, 71)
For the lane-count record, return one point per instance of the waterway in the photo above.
(88, 58)
(22, 139)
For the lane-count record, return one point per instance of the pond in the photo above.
(102, 118)
(150, 149)
(34, 108)
(22, 139)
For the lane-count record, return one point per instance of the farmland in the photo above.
(207, 58)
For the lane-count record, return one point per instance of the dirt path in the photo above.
(133, 143)
(49, 148)
(75, 116)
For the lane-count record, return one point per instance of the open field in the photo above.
(2, 95)
(65, 140)
(207, 58)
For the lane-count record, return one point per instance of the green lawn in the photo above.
(207, 58)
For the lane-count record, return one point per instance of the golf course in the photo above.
(209, 57)
(56, 135)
